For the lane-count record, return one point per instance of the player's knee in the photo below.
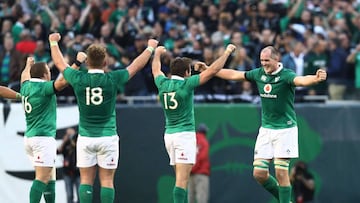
(261, 164)
(261, 169)
(282, 164)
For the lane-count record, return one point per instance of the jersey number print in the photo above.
(94, 95)
(170, 101)
(26, 104)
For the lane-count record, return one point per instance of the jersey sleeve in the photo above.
(290, 76)
(193, 81)
(49, 88)
(121, 78)
(250, 75)
(70, 75)
(23, 87)
(159, 80)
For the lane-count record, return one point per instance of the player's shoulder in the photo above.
(256, 72)
(287, 72)
(162, 78)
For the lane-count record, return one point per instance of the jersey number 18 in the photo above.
(94, 95)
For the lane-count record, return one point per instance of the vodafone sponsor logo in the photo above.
(267, 90)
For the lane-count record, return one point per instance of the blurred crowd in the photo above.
(310, 34)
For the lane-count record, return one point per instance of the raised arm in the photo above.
(308, 80)
(230, 74)
(142, 59)
(80, 59)
(156, 63)
(8, 93)
(227, 74)
(25, 75)
(60, 82)
(217, 65)
(56, 54)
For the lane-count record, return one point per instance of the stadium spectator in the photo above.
(11, 61)
(199, 181)
(71, 173)
(314, 59)
(170, 20)
(337, 70)
(303, 183)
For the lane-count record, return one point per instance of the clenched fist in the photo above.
(200, 66)
(321, 75)
(54, 37)
(81, 56)
(230, 48)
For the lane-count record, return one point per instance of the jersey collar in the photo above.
(96, 71)
(37, 80)
(176, 77)
(280, 65)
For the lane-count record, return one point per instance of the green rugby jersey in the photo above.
(176, 96)
(277, 92)
(96, 93)
(39, 102)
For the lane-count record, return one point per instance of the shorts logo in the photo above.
(112, 162)
(182, 157)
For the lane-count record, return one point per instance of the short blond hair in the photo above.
(96, 54)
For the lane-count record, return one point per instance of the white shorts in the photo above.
(281, 143)
(41, 150)
(181, 147)
(103, 151)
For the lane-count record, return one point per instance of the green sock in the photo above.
(107, 195)
(272, 186)
(49, 193)
(85, 193)
(36, 191)
(285, 194)
(179, 195)
(186, 196)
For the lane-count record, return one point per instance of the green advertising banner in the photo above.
(328, 141)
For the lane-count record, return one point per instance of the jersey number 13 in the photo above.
(170, 101)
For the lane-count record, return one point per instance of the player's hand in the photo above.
(54, 37)
(160, 50)
(81, 56)
(153, 43)
(230, 48)
(321, 75)
(30, 61)
(200, 66)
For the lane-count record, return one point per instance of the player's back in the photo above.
(176, 96)
(96, 93)
(39, 101)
